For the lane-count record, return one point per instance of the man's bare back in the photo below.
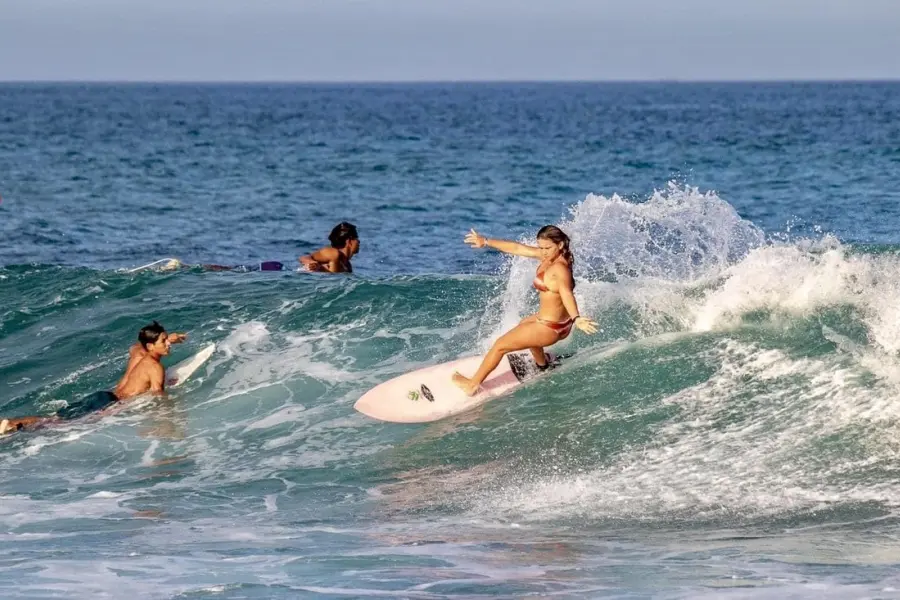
(148, 375)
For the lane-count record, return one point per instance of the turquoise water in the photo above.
(730, 432)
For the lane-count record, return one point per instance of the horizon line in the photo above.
(313, 82)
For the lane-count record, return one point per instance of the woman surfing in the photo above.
(558, 312)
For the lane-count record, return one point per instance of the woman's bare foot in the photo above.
(465, 384)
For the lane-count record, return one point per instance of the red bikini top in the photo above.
(538, 283)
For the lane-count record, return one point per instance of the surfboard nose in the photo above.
(364, 405)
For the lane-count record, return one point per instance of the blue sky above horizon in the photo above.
(448, 40)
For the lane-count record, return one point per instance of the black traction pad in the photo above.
(523, 366)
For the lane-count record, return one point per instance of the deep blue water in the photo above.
(105, 176)
(731, 431)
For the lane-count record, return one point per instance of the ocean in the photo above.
(730, 432)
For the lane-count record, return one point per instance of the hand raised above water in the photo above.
(475, 239)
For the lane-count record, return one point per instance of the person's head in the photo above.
(553, 243)
(154, 339)
(343, 236)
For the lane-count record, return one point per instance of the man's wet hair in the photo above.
(341, 234)
(150, 333)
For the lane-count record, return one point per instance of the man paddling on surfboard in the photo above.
(558, 311)
(144, 373)
(336, 259)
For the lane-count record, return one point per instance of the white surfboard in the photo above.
(177, 374)
(163, 264)
(429, 394)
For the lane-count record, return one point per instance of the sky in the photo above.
(448, 40)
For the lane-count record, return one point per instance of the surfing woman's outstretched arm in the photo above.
(476, 240)
(563, 278)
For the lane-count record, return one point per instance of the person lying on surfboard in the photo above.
(336, 259)
(144, 373)
(173, 264)
(558, 312)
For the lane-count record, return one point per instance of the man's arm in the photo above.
(326, 259)
(135, 354)
(307, 261)
(157, 377)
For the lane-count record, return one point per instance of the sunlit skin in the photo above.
(143, 373)
(137, 351)
(148, 374)
(331, 260)
(557, 304)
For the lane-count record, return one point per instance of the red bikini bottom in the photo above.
(563, 328)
